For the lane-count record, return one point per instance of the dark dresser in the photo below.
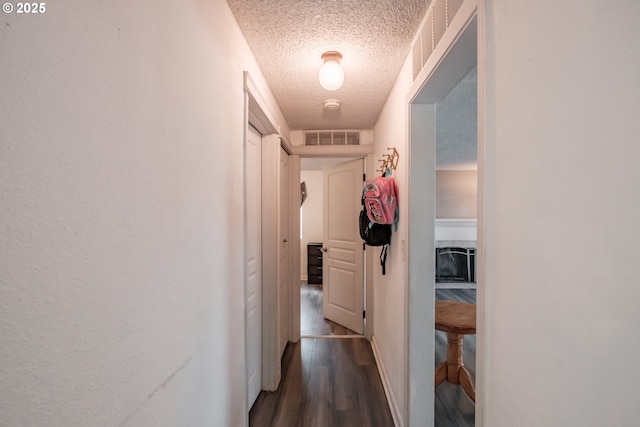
(314, 263)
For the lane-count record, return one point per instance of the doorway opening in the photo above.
(321, 272)
(456, 62)
(455, 247)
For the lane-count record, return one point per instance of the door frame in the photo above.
(444, 68)
(284, 237)
(258, 114)
(363, 152)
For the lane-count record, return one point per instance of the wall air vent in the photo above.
(331, 137)
(438, 19)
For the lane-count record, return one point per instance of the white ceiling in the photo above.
(288, 37)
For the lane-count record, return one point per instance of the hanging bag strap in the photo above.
(383, 259)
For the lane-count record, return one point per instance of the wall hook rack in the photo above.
(389, 160)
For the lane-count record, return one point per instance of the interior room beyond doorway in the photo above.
(312, 321)
(456, 236)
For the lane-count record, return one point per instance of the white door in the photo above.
(343, 258)
(253, 267)
(283, 261)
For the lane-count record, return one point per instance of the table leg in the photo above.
(454, 356)
(453, 369)
(466, 384)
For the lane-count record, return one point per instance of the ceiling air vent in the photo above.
(438, 18)
(333, 137)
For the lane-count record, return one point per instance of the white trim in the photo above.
(294, 248)
(369, 263)
(419, 299)
(456, 229)
(386, 385)
(271, 364)
(259, 114)
(368, 254)
(333, 150)
(245, 382)
(454, 56)
(483, 303)
(332, 336)
(448, 48)
(460, 223)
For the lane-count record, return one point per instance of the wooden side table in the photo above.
(457, 319)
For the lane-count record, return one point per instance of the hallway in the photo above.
(326, 382)
(335, 382)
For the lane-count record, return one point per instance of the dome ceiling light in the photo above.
(331, 75)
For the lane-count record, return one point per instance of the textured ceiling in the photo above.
(288, 37)
(457, 125)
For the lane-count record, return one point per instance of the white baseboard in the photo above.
(456, 285)
(391, 400)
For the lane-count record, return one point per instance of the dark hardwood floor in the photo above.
(453, 408)
(335, 381)
(326, 382)
(312, 322)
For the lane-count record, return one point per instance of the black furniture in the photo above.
(314, 263)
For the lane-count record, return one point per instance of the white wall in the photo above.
(390, 289)
(311, 214)
(121, 184)
(456, 194)
(560, 203)
(560, 131)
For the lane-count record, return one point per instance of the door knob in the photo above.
(285, 240)
(324, 249)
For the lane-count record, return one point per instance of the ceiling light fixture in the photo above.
(331, 75)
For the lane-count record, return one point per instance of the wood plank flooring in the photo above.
(335, 381)
(453, 408)
(312, 322)
(326, 382)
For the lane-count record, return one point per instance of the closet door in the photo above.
(253, 265)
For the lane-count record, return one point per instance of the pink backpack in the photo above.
(380, 201)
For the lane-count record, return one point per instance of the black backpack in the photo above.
(375, 234)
